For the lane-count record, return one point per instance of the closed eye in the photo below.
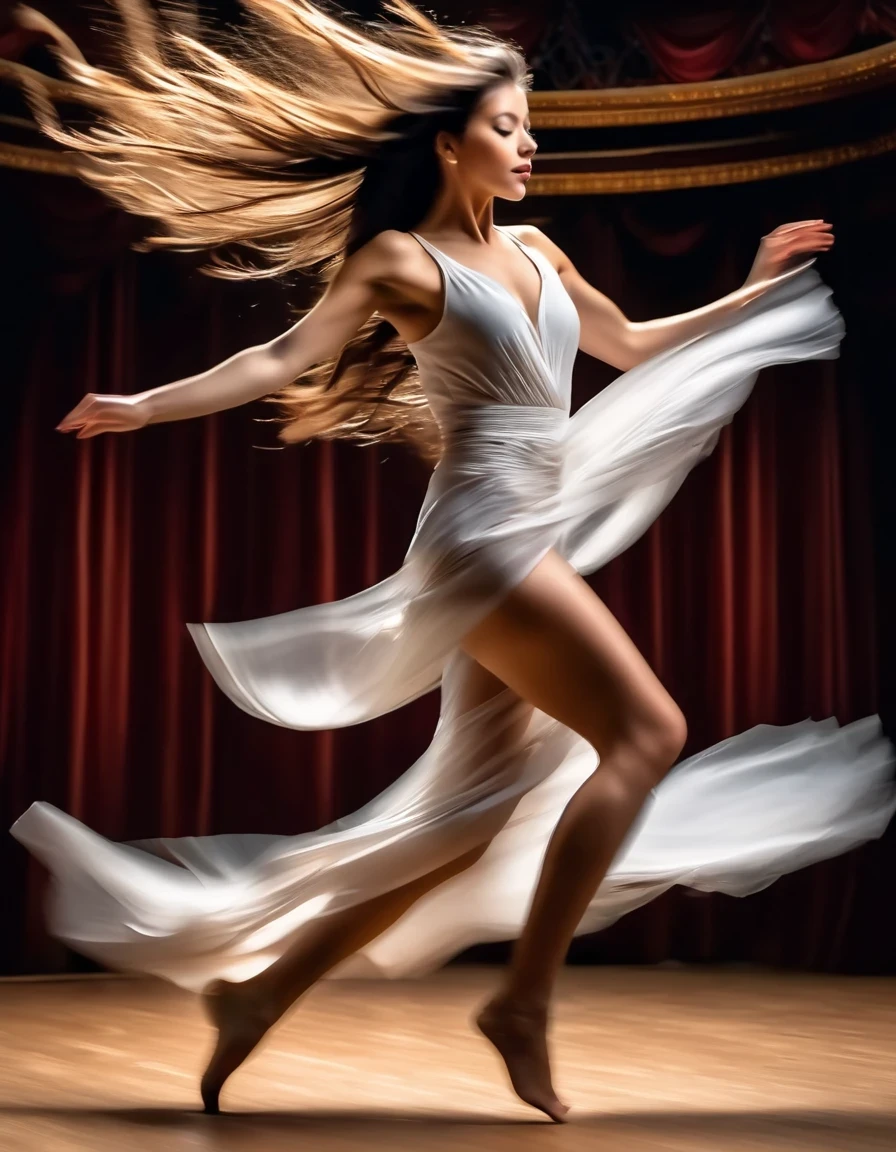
(507, 132)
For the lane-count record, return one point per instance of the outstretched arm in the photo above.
(348, 302)
(610, 336)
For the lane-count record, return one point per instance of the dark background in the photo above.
(763, 594)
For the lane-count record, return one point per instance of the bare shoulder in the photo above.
(399, 279)
(535, 238)
(388, 257)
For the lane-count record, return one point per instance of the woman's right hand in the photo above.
(350, 299)
(96, 414)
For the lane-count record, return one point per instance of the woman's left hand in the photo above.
(789, 246)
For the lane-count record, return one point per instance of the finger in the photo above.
(809, 244)
(72, 425)
(801, 225)
(809, 238)
(98, 427)
(76, 411)
(785, 229)
(83, 405)
(77, 415)
(92, 428)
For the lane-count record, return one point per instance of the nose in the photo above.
(528, 149)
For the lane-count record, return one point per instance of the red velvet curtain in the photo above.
(695, 40)
(699, 41)
(689, 41)
(754, 596)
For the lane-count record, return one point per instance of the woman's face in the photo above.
(494, 155)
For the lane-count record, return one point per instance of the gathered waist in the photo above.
(511, 421)
(519, 448)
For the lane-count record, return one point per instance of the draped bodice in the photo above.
(485, 348)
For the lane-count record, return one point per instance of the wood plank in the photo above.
(666, 1059)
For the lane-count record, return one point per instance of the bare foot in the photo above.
(519, 1033)
(242, 1020)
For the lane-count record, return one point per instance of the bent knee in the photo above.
(662, 739)
(650, 747)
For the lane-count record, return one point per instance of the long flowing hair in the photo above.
(294, 139)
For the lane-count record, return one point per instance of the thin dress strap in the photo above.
(527, 249)
(430, 248)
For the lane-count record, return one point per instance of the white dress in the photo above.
(517, 478)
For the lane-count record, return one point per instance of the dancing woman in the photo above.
(374, 153)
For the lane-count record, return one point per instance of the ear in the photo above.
(446, 147)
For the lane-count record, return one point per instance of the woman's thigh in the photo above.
(504, 714)
(557, 646)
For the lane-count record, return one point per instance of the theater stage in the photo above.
(665, 1059)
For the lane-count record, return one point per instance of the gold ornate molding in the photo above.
(657, 103)
(628, 169)
(739, 96)
(707, 175)
(585, 183)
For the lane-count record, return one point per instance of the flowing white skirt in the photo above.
(522, 481)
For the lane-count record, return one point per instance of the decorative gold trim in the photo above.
(650, 150)
(738, 96)
(706, 175)
(653, 103)
(36, 160)
(664, 103)
(584, 183)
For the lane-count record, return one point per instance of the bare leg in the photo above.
(556, 646)
(559, 647)
(244, 1012)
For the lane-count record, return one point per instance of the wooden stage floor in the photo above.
(671, 1060)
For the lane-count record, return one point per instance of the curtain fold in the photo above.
(696, 41)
